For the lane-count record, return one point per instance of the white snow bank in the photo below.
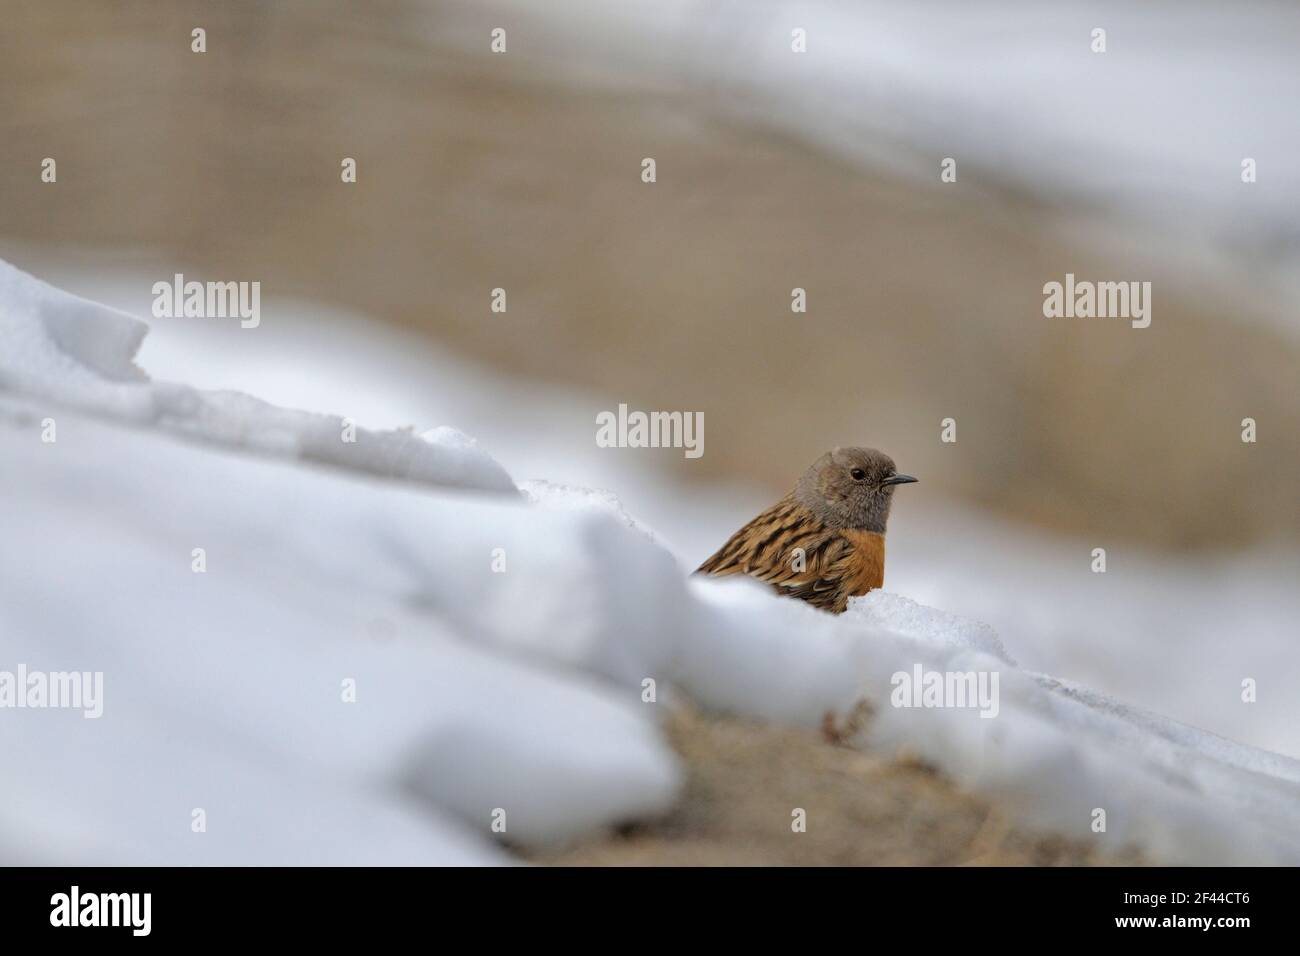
(1053, 754)
(498, 650)
(236, 674)
(224, 690)
(79, 353)
(1157, 632)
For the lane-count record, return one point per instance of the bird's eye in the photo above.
(858, 474)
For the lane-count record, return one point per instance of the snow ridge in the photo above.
(81, 354)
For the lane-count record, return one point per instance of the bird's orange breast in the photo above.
(868, 565)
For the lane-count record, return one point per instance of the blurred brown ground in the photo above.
(478, 171)
(744, 779)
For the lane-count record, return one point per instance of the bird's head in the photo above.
(851, 488)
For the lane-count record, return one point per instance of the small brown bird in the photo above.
(824, 542)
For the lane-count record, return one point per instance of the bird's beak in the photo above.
(898, 480)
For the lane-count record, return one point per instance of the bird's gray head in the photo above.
(851, 488)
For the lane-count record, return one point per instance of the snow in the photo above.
(1054, 753)
(63, 348)
(312, 578)
(498, 638)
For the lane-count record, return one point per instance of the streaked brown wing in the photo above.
(751, 547)
(830, 587)
(768, 548)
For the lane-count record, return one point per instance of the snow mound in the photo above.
(1053, 754)
(903, 617)
(331, 668)
(561, 497)
(227, 689)
(80, 354)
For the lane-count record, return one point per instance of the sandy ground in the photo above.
(863, 809)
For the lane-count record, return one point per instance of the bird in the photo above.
(824, 542)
